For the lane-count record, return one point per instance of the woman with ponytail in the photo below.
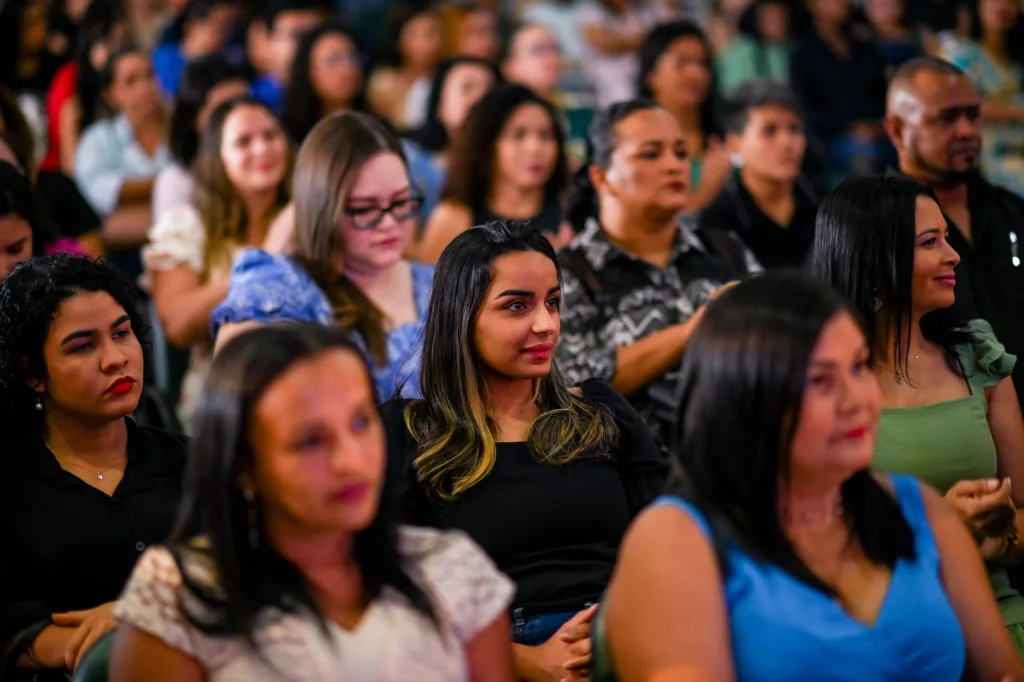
(355, 214)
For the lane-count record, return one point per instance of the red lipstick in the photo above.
(121, 386)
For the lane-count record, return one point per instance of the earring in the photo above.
(253, 514)
(877, 305)
(39, 404)
(736, 160)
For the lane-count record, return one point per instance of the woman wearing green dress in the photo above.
(950, 414)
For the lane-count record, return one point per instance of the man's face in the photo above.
(937, 128)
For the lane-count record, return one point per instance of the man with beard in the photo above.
(933, 117)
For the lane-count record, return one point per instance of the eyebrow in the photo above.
(372, 199)
(930, 230)
(86, 333)
(525, 293)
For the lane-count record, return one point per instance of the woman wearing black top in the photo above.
(83, 489)
(508, 162)
(544, 476)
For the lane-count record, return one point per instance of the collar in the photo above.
(599, 250)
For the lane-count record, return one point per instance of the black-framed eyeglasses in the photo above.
(369, 217)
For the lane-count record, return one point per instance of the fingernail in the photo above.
(992, 484)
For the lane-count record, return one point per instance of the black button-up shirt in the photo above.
(66, 546)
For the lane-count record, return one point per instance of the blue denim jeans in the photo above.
(538, 629)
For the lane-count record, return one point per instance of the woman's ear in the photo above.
(598, 177)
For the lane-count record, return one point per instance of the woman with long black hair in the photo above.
(286, 560)
(779, 555)
(951, 415)
(544, 475)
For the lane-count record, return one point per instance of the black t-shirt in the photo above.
(66, 545)
(554, 530)
(66, 207)
(774, 245)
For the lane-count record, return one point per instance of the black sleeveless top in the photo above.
(549, 219)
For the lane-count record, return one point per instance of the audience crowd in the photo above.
(543, 340)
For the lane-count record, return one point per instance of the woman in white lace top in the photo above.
(285, 563)
(241, 177)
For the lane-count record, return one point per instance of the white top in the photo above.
(107, 155)
(614, 76)
(177, 238)
(393, 643)
(172, 188)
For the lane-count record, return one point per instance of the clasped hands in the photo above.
(986, 507)
(90, 625)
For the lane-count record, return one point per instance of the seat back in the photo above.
(95, 665)
(601, 668)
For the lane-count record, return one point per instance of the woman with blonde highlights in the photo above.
(355, 214)
(543, 475)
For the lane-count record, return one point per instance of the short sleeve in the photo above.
(643, 465)
(268, 288)
(173, 187)
(176, 239)
(150, 601)
(984, 359)
(98, 174)
(581, 354)
(466, 588)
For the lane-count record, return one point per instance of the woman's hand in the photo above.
(566, 654)
(986, 507)
(90, 625)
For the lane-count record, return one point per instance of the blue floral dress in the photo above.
(269, 288)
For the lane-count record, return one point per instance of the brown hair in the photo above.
(215, 198)
(326, 168)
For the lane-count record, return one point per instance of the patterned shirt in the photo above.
(635, 300)
(268, 288)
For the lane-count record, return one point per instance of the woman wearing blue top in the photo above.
(778, 555)
(355, 214)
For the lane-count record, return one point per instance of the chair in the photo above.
(96, 663)
(601, 668)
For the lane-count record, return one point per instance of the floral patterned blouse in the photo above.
(267, 288)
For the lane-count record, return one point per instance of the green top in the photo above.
(746, 59)
(946, 442)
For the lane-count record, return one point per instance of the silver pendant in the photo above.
(899, 378)
(99, 476)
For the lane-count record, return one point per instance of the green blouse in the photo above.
(951, 441)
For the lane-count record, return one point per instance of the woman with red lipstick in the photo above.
(778, 555)
(83, 488)
(242, 176)
(509, 162)
(355, 215)
(287, 561)
(544, 476)
(951, 415)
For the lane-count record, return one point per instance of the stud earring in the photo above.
(736, 160)
(39, 404)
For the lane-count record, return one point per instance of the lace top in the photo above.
(465, 589)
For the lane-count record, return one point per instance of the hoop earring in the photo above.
(253, 513)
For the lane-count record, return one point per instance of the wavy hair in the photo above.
(216, 200)
(29, 298)
(455, 435)
(327, 167)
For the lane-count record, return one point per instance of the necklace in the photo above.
(899, 375)
(98, 472)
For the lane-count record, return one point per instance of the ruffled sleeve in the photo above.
(150, 601)
(466, 588)
(984, 358)
(268, 288)
(176, 239)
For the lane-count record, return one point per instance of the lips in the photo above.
(855, 434)
(677, 186)
(540, 351)
(121, 386)
(946, 280)
(352, 493)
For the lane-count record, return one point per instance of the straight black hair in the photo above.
(864, 249)
(757, 94)
(98, 22)
(194, 9)
(303, 107)
(432, 135)
(18, 198)
(213, 522)
(742, 383)
(201, 75)
(471, 176)
(654, 46)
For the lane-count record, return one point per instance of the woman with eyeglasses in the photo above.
(355, 215)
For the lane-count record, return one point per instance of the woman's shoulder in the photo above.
(465, 586)
(392, 413)
(983, 357)
(165, 451)
(266, 287)
(600, 391)
(177, 238)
